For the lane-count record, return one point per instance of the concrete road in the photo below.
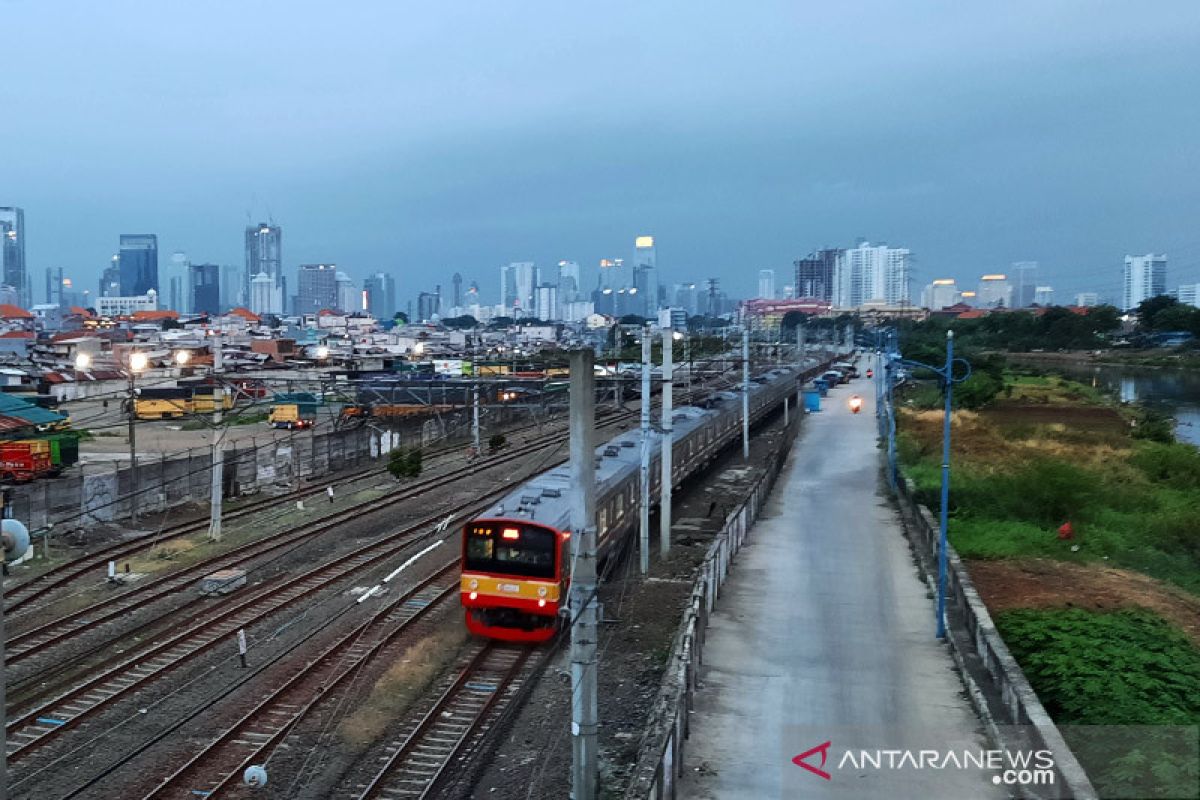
(825, 633)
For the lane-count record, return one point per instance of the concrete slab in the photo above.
(825, 633)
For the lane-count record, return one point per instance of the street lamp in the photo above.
(182, 357)
(946, 373)
(82, 361)
(322, 353)
(137, 363)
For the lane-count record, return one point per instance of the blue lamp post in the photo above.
(946, 373)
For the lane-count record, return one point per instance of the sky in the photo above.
(425, 139)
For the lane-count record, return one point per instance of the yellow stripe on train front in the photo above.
(510, 587)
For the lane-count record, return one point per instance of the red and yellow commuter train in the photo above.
(516, 555)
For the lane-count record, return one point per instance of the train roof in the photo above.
(545, 498)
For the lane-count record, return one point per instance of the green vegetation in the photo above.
(405, 463)
(496, 442)
(1102, 669)
(1164, 313)
(1044, 451)
(1053, 328)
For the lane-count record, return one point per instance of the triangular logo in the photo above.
(823, 749)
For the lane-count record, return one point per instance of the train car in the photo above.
(168, 402)
(64, 450)
(293, 411)
(23, 461)
(515, 556)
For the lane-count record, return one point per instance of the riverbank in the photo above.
(1148, 359)
(1083, 541)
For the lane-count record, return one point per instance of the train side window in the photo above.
(603, 520)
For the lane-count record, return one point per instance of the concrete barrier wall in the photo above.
(999, 690)
(80, 499)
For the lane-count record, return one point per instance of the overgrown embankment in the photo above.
(1081, 529)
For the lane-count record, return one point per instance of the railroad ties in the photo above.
(417, 762)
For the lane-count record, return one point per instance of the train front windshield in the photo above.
(510, 549)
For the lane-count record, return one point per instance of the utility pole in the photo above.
(218, 447)
(644, 471)
(668, 406)
(584, 704)
(475, 420)
(800, 343)
(745, 395)
(133, 467)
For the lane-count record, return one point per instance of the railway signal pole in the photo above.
(746, 394)
(218, 447)
(644, 471)
(668, 406)
(584, 630)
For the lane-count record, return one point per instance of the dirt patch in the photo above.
(1040, 583)
(403, 682)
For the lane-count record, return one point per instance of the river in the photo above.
(1173, 391)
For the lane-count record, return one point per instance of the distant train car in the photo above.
(515, 556)
(162, 402)
(293, 411)
(25, 460)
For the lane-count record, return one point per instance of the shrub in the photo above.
(496, 442)
(1174, 465)
(405, 463)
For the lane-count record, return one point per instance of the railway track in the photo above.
(423, 757)
(31, 728)
(18, 597)
(220, 763)
(21, 646)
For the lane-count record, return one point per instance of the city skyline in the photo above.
(975, 158)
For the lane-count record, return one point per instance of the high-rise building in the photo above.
(645, 276)
(611, 274)
(204, 286)
(875, 275)
(264, 297)
(349, 299)
(687, 297)
(456, 296)
(380, 292)
(1145, 277)
(176, 283)
(766, 284)
(1188, 294)
(517, 282)
(814, 274)
(994, 292)
(1043, 296)
(264, 253)
(139, 263)
(12, 253)
(1087, 299)
(428, 305)
(231, 287)
(316, 288)
(1024, 281)
(110, 279)
(546, 302)
(939, 294)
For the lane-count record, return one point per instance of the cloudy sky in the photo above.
(428, 138)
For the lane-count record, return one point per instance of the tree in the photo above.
(400, 318)
(1149, 309)
(465, 322)
(792, 319)
(1179, 317)
(632, 319)
(500, 322)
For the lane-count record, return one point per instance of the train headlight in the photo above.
(542, 591)
(473, 595)
(541, 603)
(473, 584)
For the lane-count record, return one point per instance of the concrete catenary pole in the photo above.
(133, 465)
(644, 472)
(668, 405)
(746, 395)
(218, 448)
(475, 420)
(584, 714)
